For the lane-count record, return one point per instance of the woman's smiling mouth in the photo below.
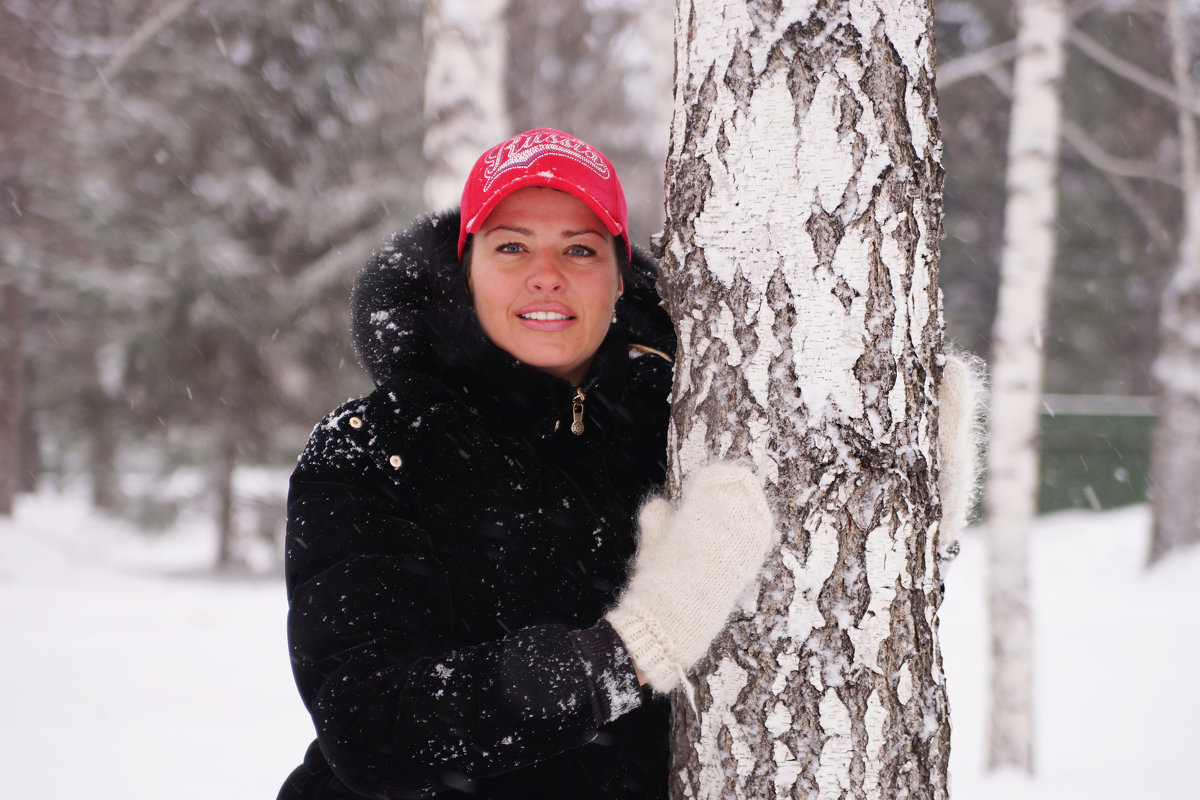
(544, 316)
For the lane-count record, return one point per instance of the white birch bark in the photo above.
(1017, 366)
(800, 266)
(1175, 460)
(465, 108)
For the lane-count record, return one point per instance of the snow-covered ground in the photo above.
(128, 673)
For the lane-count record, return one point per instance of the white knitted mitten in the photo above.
(691, 567)
(959, 399)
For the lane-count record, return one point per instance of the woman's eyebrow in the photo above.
(593, 231)
(513, 228)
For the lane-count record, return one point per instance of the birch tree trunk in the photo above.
(465, 109)
(1175, 460)
(1017, 366)
(800, 267)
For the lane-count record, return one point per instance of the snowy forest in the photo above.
(190, 187)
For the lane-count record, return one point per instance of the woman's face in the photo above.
(544, 279)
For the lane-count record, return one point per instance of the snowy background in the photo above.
(129, 671)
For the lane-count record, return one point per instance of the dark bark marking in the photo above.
(741, 81)
(764, 13)
(876, 367)
(810, 60)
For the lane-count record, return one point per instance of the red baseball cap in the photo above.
(544, 157)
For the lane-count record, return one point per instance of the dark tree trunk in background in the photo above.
(12, 392)
(31, 440)
(102, 461)
(224, 466)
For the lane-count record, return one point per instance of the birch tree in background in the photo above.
(1017, 367)
(465, 108)
(1175, 460)
(601, 69)
(657, 26)
(800, 267)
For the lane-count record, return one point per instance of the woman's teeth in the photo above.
(543, 316)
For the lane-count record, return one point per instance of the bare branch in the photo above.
(1080, 8)
(1151, 221)
(144, 33)
(1181, 72)
(1093, 153)
(1001, 79)
(129, 48)
(1129, 71)
(1104, 161)
(8, 73)
(976, 63)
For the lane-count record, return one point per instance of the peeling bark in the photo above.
(1018, 363)
(1175, 460)
(800, 266)
(465, 110)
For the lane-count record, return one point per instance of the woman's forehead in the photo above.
(541, 208)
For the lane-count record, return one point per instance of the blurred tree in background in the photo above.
(1119, 210)
(189, 187)
(211, 174)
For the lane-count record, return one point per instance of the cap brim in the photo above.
(551, 181)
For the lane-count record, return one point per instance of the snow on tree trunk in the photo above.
(1017, 366)
(1175, 461)
(465, 109)
(800, 266)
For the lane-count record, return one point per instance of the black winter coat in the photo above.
(452, 545)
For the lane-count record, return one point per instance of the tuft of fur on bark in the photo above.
(961, 432)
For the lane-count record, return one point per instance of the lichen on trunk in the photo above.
(803, 215)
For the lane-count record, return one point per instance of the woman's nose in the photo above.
(545, 276)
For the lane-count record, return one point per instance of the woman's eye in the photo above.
(509, 247)
(581, 250)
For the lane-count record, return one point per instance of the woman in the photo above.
(467, 617)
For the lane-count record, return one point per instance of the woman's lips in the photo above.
(546, 316)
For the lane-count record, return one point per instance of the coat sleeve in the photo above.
(399, 710)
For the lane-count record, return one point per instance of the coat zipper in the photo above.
(577, 411)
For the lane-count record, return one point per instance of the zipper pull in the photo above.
(577, 411)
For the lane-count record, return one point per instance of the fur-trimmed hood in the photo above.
(410, 309)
